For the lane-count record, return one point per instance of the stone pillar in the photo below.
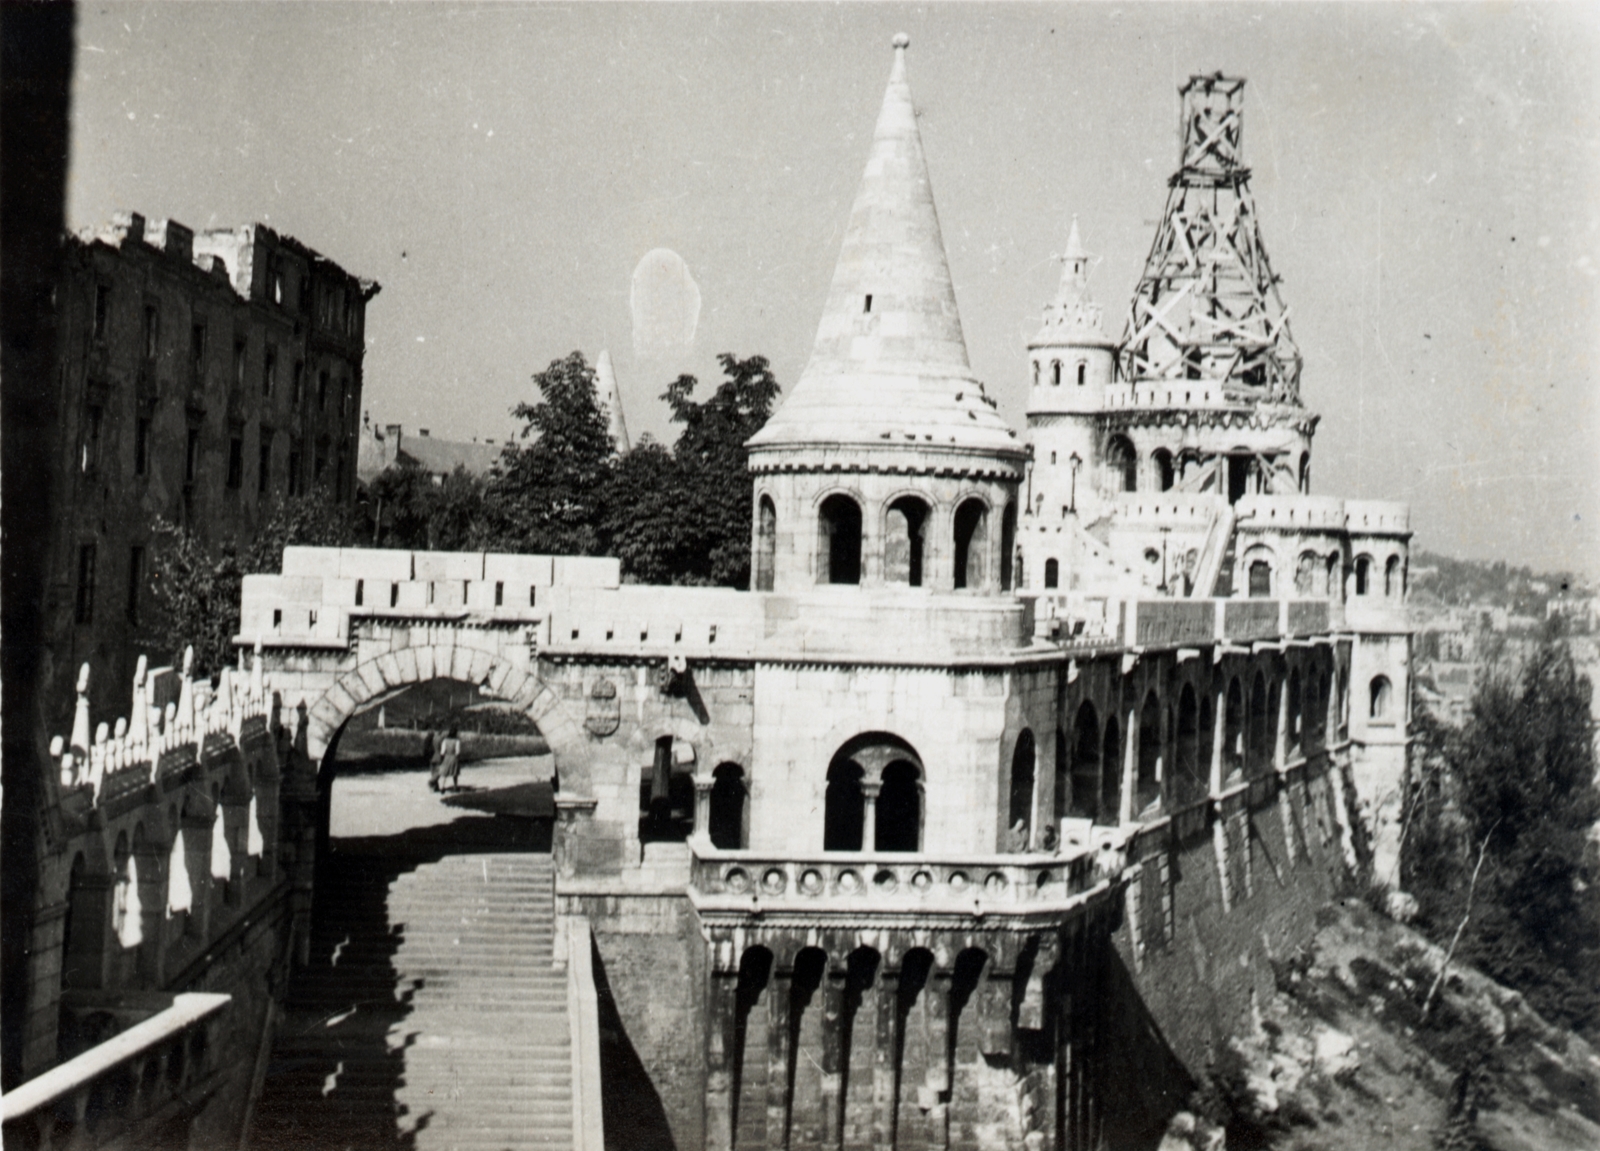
(870, 787)
(721, 1021)
(1281, 759)
(1130, 765)
(883, 1061)
(833, 1057)
(702, 809)
(1219, 737)
(778, 989)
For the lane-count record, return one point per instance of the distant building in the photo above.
(200, 377)
(387, 446)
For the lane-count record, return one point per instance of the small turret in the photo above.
(1072, 358)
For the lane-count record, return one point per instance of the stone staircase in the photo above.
(430, 1016)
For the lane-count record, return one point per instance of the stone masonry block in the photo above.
(389, 668)
(375, 564)
(372, 677)
(309, 561)
(498, 674)
(340, 697)
(325, 712)
(480, 666)
(461, 664)
(425, 663)
(405, 661)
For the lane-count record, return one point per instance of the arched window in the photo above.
(1052, 573)
(1083, 373)
(972, 543)
(1111, 773)
(1305, 473)
(1233, 732)
(1122, 465)
(82, 951)
(727, 816)
(1161, 460)
(904, 524)
(766, 543)
(1008, 547)
(1085, 800)
(1148, 783)
(898, 824)
(1188, 784)
(1055, 373)
(1381, 692)
(1020, 809)
(839, 540)
(843, 807)
(1260, 578)
(1305, 575)
(1036, 373)
(666, 799)
(1391, 577)
(1363, 574)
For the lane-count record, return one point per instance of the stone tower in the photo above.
(888, 464)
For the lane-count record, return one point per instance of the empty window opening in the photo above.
(1055, 373)
(1122, 465)
(867, 307)
(1052, 573)
(1083, 373)
(843, 807)
(726, 819)
(1380, 698)
(766, 544)
(361, 592)
(972, 543)
(1165, 475)
(1019, 809)
(277, 617)
(1147, 782)
(533, 596)
(1363, 574)
(839, 540)
(1111, 773)
(86, 574)
(666, 796)
(1036, 373)
(499, 594)
(903, 541)
(1010, 561)
(1260, 576)
(1305, 473)
(1233, 734)
(1084, 802)
(394, 595)
(1391, 577)
(898, 822)
(141, 446)
(1188, 781)
(1238, 477)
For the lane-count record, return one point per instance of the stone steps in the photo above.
(443, 1025)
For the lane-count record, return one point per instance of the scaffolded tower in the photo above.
(1207, 306)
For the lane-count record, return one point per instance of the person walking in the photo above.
(450, 762)
(430, 752)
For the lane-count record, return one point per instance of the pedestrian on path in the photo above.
(450, 762)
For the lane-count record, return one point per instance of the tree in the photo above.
(195, 587)
(1520, 777)
(643, 520)
(546, 495)
(404, 507)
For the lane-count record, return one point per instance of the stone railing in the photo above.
(113, 1092)
(112, 760)
(912, 884)
(1185, 394)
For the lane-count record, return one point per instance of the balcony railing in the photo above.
(911, 885)
(138, 1077)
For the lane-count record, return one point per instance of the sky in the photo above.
(671, 181)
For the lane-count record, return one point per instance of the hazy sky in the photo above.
(1428, 180)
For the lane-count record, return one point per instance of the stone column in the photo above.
(833, 1057)
(702, 809)
(936, 1008)
(870, 787)
(1219, 737)
(883, 1060)
(721, 1021)
(1130, 765)
(778, 986)
(1281, 760)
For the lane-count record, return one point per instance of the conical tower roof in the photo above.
(610, 396)
(889, 366)
(1073, 318)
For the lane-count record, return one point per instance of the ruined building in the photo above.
(199, 378)
(981, 820)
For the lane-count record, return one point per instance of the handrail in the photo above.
(187, 1009)
(583, 1020)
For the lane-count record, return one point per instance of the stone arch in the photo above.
(88, 917)
(1305, 473)
(906, 517)
(1111, 773)
(1122, 465)
(1380, 698)
(1305, 575)
(1162, 468)
(1147, 782)
(376, 679)
(1260, 567)
(1233, 731)
(1261, 719)
(840, 538)
(970, 526)
(857, 773)
(899, 815)
(728, 809)
(1188, 785)
(1363, 574)
(1052, 573)
(1023, 772)
(1391, 577)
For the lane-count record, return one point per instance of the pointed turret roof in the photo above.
(610, 396)
(1072, 318)
(890, 362)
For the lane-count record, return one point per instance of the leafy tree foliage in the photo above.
(195, 586)
(404, 508)
(1521, 774)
